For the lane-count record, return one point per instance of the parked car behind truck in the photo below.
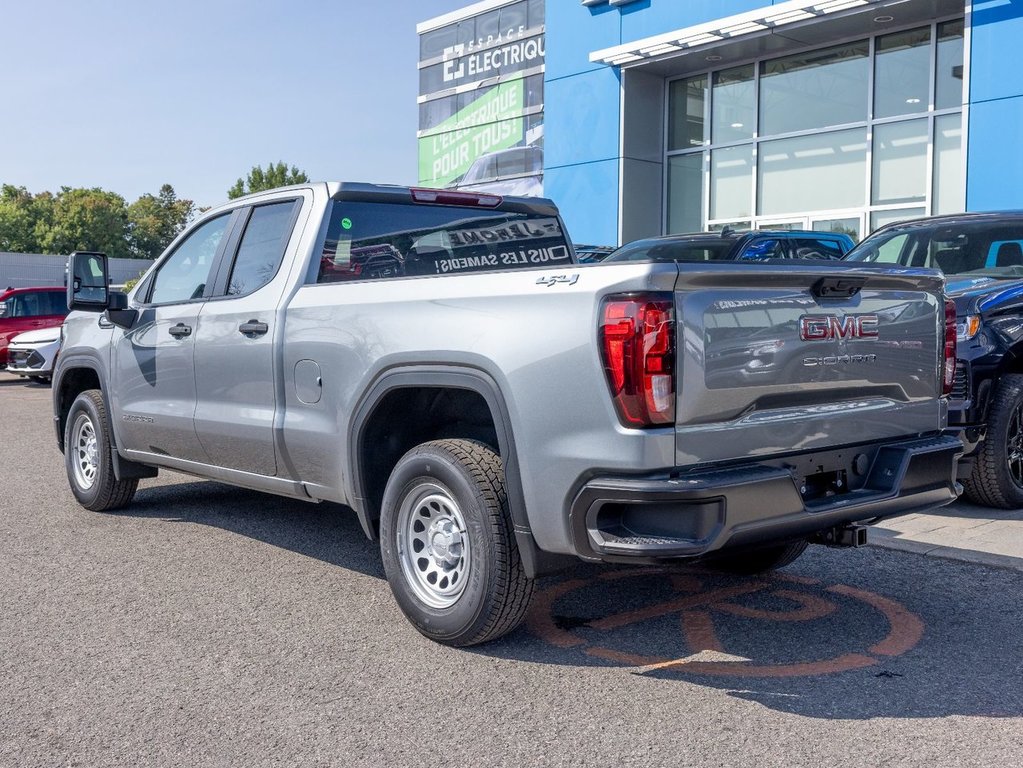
(33, 353)
(489, 409)
(728, 245)
(29, 309)
(981, 255)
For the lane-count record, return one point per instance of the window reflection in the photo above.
(815, 89)
(731, 182)
(948, 86)
(899, 162)
(686, 104)
(685, 193)
(818, 172)
(902, 69)
(733, 112)
(948, 195)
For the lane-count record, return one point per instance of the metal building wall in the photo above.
(22, 270)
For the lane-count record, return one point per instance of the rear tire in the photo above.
(88, 459)
(754, 561)
(997, 476)
(448, 546)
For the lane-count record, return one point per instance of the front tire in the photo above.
(87, 456)
(448, 546)
(997, 476)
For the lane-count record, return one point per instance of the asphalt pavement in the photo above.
(210, 626)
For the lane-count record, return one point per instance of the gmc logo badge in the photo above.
(828, 327)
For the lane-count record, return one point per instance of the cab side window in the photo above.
(262, 247)
(816, 248)
(16, 306)
(763, 249)
(186, 272)
(56, 303)
(30, 305)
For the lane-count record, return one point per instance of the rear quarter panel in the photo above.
(538, 342)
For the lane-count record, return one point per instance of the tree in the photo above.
(20, 216)
(155, 220)
(278, 175)
(87, 220)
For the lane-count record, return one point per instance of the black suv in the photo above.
(737, 246)
(981, 255)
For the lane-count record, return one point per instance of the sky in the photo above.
(128, 95)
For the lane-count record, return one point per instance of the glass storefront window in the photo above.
(687, 101)
(849, 226)
(899, 162)
(433, 113)
(685, 193)
(432, 44)
(513, 20)
(879, 218)
(536, 13)
(731, 182)
(787, 140)
(948, 187)
(902, 73)
(733, 116)
(816, 172)
(948, 86)
(815, 89)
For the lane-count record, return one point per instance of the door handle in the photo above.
(253, 328)
(180, 330)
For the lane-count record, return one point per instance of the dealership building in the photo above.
(663, 116)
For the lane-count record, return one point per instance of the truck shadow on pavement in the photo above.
(327, 532)
(838, 635)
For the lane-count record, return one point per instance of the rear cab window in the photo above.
(375, 241)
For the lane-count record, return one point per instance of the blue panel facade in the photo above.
(581, 143)
(587, 195)
(583, 98)
(583, 139)
(995, 160)
(995, 136)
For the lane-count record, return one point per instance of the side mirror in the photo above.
(118, 312)
(87, 287)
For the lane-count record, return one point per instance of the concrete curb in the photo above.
(887, 539)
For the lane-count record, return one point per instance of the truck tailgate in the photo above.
(775, 358)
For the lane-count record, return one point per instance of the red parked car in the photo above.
(27, 309)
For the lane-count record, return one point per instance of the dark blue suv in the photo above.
(737, 246)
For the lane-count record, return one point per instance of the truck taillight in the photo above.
(949, 368)
(637, 341)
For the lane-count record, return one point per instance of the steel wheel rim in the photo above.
(84, 452)
(1014, 445)
(433, 545)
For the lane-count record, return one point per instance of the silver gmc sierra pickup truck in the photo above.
(438, 362)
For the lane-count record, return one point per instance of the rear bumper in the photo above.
(687, 515)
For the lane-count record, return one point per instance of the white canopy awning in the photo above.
(779, 21)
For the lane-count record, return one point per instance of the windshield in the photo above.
(703, 249)
(980, 248)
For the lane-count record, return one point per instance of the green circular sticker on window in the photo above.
(346, 223)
